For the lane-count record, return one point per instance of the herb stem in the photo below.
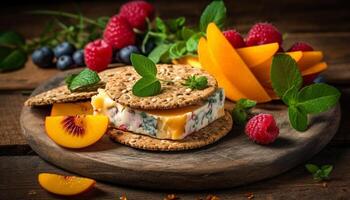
(166, 81)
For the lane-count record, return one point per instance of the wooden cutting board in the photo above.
(232, 161)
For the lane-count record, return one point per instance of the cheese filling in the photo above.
(173, 124)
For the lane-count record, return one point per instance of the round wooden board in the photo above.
(232, 161)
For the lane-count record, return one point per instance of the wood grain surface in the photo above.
(241, 161)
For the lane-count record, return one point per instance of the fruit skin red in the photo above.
(263, 33)
(234, 38)
(136, 13)
(98, 54)
(118, 32)
(300, 46)
(262, 129)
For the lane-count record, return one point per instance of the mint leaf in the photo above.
(146, 86)
(290, 96)
(175, 24)
(297, 118)
(158, 52)
(11, 38)
(13, 60)
(312, 168)
(196, 83)
(317, 98)
(326, 169)
(214, 12)
(143, 66)
(177, 50)
(186, 33)
(285, 74)
(246, 103)
(241, 111)
(84, 81)
(160, 25)
(192, 42)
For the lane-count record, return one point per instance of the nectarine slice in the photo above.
(226, 58)
(188, 60)
(76, 131)
(63, 109)
(255, 55)
(207, 64)
(310, 58)
(65, 185)
(318, 68)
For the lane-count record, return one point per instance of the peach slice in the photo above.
(255, 55)
(65, 185)
(63, 109)
(226, 58)
(188, 60)
(76, 131)
(310, 58)
(318, 68)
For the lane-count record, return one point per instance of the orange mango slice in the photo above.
(226, 58)
(76, 131)
(207, 64)
(63, 109)
(255, 55)
(318, 68)
(188, 60)
(310, 58)
(65, 185)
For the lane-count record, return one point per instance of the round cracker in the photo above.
(205, 136)
(173, 95)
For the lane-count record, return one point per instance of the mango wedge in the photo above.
(309, 59)
(226, 58)
(256, 55)
(318, 68)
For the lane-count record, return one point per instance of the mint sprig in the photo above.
(319, 173)
(214, 12)
(148, 85)
(86, 80)
(241, 111)
(196, 83)
(287, 84)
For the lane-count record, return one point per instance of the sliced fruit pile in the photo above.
(245, 72)
(72, 125)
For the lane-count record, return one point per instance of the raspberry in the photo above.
(262, 129)
(136, 13)
(234, 38)
(300, 46)
(118, 32)
(263, 33)
(98, 54)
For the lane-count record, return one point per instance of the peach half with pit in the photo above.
(79, 108)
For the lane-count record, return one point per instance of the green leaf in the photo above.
(175, 24)
(12, 61)
(143, 66)
(11, 38)
(312, 168)
(297, 118)
(192, 42)
(160, 25)
(290, 96)
(326, 169)
(239, 116)
(285, 74)
(214, 12)
(177, 50)
(158, 52)
(196, 83)
(186, 33)
(146, 86)
(317, 98)
(102, 21)
(4, 52)
(245, 103)
(86, 80)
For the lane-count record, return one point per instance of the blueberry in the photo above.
(64, 62)
(78, 57)
(65, 48)
(319, 79)
(124, 53)
(43, 57)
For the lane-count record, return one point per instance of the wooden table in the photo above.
(324, 24)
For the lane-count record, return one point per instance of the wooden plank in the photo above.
(19, 181)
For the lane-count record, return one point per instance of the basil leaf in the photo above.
(312, 168)
(14, 60)
(192, 42)
(160, 25)
(84, 81)
(177, 50)
(214, 12)
(317, 98)
(158, 52)
(285, 74)
(297, 118)
(143, 65)
(146, 86)
(11, 38)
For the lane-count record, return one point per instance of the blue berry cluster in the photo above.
(64, 56)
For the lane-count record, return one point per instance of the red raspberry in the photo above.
(136, 13)
(98, 54)
(262, 129)
(263, 33)
(300, 46)
(234, 38)
(118, 32)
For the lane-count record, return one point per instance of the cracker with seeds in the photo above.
(173, 95)
(205, 136)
